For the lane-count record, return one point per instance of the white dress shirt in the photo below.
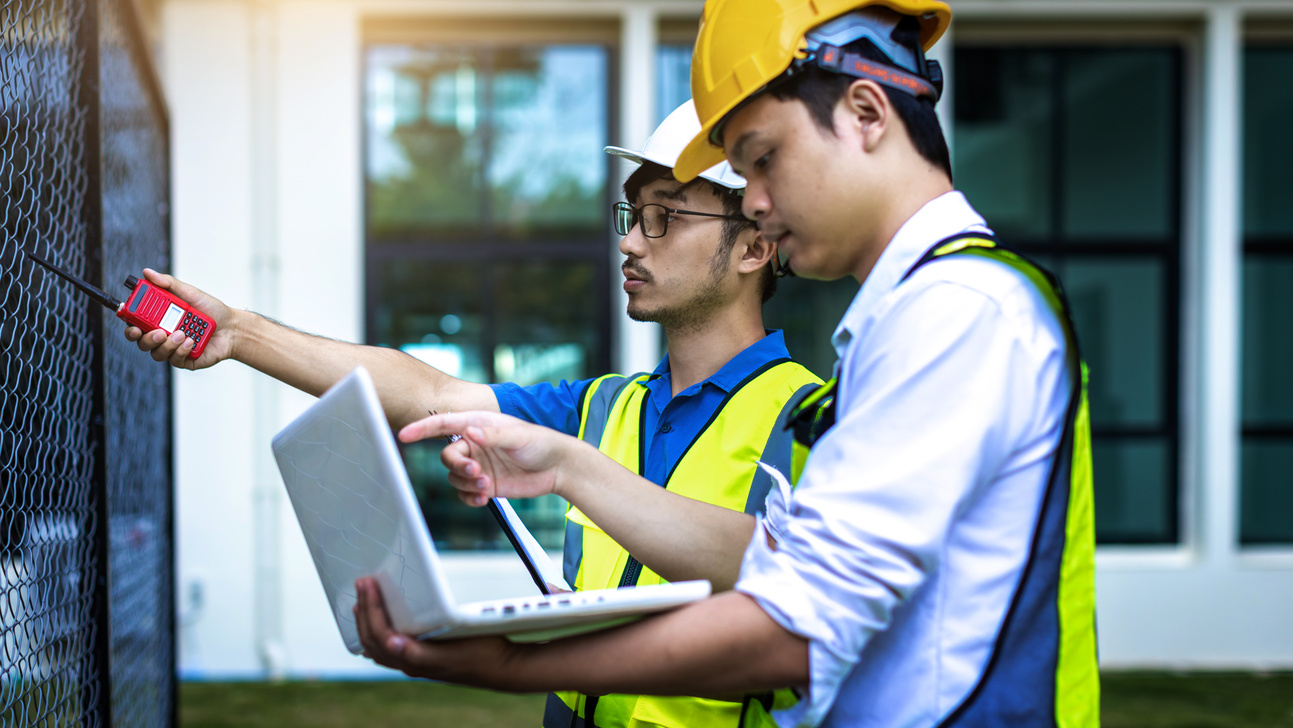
(903, 543)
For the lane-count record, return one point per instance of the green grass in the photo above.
(1194, 700)
(1131, 700)
(394, 704)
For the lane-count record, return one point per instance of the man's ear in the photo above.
(756, 253)
(864, 112)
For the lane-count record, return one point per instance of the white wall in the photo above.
(206, 72)
(266, 123)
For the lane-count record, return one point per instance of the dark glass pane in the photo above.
(435, 312)
(547, 170)
(1120, 110)
(1117, 175)
(1118, 310)
(1134, 491)
(473, 142)
(517, 321)
(426, 140)
(1266, 505)
(1268, 340)
(1002, 155)
(547, 322)
(808, 312)
(1268, 147)
(673, 78)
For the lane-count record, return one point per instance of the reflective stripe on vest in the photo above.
(1043, 668)
(807, 421)
(717, 467)
(633, 711)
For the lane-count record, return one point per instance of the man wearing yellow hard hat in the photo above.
(935, 566)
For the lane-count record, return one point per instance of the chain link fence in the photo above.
(86, 566)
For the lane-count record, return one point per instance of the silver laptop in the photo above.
(360, 518)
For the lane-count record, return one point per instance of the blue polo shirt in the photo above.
(673, 422)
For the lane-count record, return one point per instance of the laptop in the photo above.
(359, 516)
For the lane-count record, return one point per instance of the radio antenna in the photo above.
(90, 290)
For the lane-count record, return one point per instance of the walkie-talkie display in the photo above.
(148, 307)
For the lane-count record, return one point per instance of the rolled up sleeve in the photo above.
(923, 409)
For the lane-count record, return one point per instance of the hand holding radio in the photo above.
(151, 307)
(177, 347)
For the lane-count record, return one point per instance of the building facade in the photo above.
(428, 175)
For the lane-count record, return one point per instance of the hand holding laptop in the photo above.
(445, 660)
(362, 522)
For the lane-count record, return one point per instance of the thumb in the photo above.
(172, 284)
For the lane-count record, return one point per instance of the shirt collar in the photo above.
(942, 217)
(770, 348)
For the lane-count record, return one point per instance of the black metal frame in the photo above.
(99, 693)
(145, 62)
(1166, 252)
(137, 42)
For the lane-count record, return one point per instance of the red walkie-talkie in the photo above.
(148, 307)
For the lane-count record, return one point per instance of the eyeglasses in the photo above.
(654, 218)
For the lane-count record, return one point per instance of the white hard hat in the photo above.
(664, 146)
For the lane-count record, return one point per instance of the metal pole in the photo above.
(97, 690)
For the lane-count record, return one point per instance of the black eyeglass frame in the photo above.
(634, 215)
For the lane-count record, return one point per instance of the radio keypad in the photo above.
(193, 327)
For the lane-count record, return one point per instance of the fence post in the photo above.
(97, 692)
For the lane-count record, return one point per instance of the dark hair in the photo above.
(821, 90)
(650, 172)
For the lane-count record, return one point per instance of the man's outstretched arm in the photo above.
(408, 388)
(724, 646)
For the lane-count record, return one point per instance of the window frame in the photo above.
(1167, 251)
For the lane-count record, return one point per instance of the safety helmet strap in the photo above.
(835, 60)
(905, 68)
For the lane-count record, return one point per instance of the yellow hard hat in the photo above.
(745, 44)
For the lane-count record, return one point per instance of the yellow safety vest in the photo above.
(719, 467)
(1044, 659)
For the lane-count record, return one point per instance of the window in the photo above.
(673, 77)
(1266, 498)
(486, 230)
(1073, 165)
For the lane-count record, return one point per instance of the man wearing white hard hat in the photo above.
(698, 424)
(708, 412)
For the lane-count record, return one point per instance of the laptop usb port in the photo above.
(509, 609)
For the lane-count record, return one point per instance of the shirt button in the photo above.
(667, 428)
